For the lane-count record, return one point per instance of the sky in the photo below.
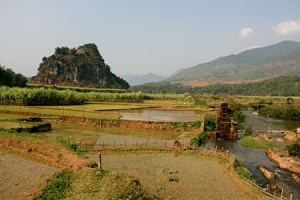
(142, 36)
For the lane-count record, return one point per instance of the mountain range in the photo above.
(249, 66)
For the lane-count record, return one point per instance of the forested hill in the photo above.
(253, 65)
(83, 67)
(280, 86)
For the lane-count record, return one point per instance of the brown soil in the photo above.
(21, 177)
(57, 158)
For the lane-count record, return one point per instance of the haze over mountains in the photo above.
(138, 79)
(249, 66)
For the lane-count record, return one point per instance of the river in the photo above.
(253, 158)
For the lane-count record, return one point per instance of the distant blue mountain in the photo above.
(138, 79)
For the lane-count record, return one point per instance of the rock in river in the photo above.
(296, 178)
(267, 173)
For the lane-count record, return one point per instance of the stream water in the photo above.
(253, 158)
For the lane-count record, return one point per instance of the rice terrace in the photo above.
(164, 158)
(150, 100)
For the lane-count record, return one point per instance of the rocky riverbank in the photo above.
(283, 161)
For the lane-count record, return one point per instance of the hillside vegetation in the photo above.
(280, 86)
(249, 66)
(82, 67)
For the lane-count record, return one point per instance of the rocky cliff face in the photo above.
(83, 67)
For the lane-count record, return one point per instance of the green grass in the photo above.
(91, 183)
(242, 170)
(52, 111)
(5, 117)
(55, 189)
(255, 142)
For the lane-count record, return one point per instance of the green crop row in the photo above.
(51, 96)
(40, 96)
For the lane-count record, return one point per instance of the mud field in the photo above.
(177, 176)
(20, 177)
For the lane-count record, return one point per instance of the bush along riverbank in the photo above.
(283, 112)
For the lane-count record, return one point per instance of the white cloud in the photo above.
(287, 27)
(246, 33)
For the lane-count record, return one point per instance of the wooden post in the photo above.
(281, 195)
(99, 161)
(202, 125)
(227, 152)
(149, 115)
(274, 195)
(291, 197)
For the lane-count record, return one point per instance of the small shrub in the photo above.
(242, 170)
(248, 129)
(294, 149)
(200, 103)
(100, 172)
(200, 139)
(197, 124)
(70, 145)
(210, 123)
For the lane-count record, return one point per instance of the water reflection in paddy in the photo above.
(176, 176)
(161, 115)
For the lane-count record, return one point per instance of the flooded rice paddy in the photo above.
(20, 177)
(172, 176)
(176, 176)
(161, 115)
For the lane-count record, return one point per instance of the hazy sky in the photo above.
(141, 36)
